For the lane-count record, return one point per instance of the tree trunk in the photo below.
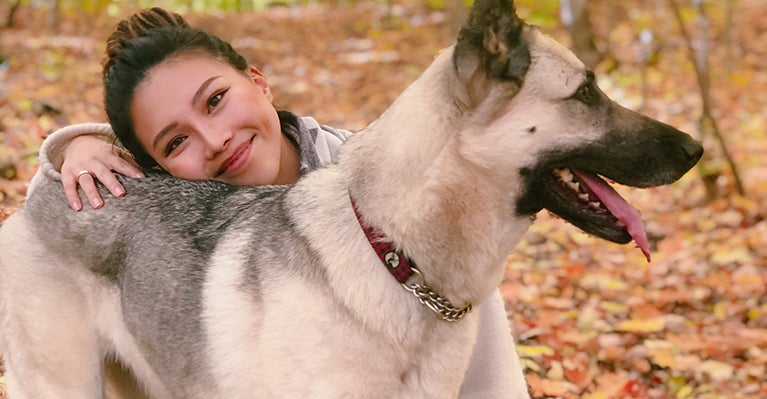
(458, 14)
(53, 18)
(708, 166)
(575, 16)
(12, 13)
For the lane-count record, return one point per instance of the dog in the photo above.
(357, 281)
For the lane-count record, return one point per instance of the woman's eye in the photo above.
(214, 100)
(173, 144)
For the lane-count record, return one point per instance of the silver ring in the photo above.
(83, 172)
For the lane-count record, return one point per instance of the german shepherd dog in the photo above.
(358, 280)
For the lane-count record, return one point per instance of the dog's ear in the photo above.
(491, 46)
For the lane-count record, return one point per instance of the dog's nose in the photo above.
(692, 149)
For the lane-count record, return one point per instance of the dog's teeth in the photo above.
(584, 197)
(620, 224)
(595, 205)
(574, 185)
(564, 174)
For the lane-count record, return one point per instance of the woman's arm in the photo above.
(494, 370)
(69, 152)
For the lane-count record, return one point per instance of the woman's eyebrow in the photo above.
(162, 133)
(202, 88)
(195, 98)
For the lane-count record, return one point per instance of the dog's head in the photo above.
(538, 101)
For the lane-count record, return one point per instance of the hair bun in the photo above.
(136, 26)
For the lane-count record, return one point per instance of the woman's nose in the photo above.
(216, 141)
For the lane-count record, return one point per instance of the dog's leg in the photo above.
(54, 354)
(495, 370)
(48, 340)
(131, 377)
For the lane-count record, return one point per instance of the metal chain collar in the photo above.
(428, 297)
(402, 269)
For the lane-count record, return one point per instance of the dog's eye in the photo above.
(585, 94)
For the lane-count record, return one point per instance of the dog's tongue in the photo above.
(620, 208)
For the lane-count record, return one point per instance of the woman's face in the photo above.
(201, 119)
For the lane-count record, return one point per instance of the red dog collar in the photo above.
(404, 271)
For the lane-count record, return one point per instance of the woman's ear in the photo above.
(260, 80)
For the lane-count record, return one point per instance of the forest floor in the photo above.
(593, 319)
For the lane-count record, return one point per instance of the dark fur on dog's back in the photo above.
(158, 205)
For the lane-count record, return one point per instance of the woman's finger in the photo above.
(70, 191)
(126, 168)
(88, 185)
(108, 179)
(124, 155)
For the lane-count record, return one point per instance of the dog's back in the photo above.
(150, 252)
(151, 207)
(203, 290)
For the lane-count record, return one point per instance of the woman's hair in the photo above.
(140, 43)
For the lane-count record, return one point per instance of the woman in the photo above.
(185, 103)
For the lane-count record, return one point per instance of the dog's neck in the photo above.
(448, 214)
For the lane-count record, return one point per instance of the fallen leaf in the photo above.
(717, 371)
(641, 326)
(534, 351)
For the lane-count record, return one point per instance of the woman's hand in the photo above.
(87, 158)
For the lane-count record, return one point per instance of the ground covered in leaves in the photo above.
(593, 319)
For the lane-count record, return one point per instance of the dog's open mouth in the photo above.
(589, 202)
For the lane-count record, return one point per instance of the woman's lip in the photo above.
(236, 161)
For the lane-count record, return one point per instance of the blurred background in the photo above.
(593, 319)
